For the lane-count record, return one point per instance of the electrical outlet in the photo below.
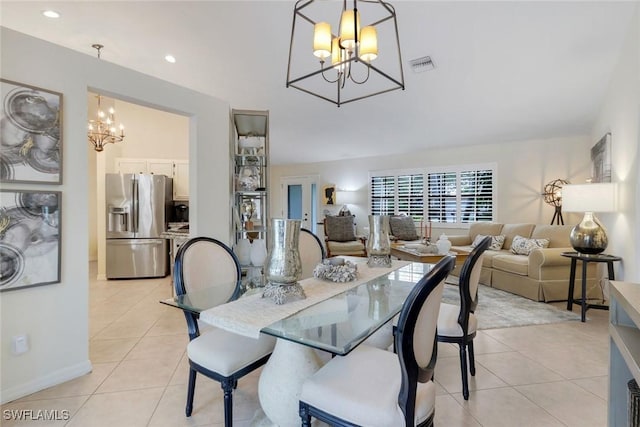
(20, 344)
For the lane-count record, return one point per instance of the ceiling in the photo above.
(505, 71)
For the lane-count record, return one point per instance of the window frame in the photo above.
(458, 170)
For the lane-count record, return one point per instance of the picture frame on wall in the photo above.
(329, 194)
(31, 134)
(601, 160)
(29, 238)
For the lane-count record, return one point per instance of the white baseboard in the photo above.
(54, 378)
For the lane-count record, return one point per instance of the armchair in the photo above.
(340, 237)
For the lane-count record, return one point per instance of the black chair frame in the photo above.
(468, 305)
(411, 372)
(228, 383)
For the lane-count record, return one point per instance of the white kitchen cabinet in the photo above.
(176, 169)
(131, 165)
(161, 167)
(181, 180)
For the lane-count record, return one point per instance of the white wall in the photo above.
(620, 115)
(56, 316)
(523, 168)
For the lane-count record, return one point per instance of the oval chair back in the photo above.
(311, 252)
(416, 339)
(469, 281)
(203, 262)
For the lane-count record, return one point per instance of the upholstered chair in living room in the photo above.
(340, 237)
(203, 262)
(403, 228)
(457, 323)
(377, 388)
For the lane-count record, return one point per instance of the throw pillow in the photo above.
(340, 228)
(403, 228)
(496, 242)
(523, 246)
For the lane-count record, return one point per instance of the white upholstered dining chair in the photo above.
(457, 323)
(223, 356)
(378, 388)
(311, 252)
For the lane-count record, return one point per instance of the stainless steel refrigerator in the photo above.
(138, 207)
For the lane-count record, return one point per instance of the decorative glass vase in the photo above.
(443, 244)
(283, 267)
(379, 244)
(248, 178)
(258, 252)
(243, 250)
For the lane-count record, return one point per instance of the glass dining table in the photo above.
(335, 325)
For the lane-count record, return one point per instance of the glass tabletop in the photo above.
(202, 299)
(341, 323)
(337, 324)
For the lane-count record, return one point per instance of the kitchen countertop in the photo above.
(173, 234)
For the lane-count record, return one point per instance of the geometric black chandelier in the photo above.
(357, 62)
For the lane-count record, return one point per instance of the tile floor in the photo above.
(548, 375)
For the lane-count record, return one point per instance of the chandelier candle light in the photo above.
(354, 44)
(103, 130)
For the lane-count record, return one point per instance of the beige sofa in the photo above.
(543, 275)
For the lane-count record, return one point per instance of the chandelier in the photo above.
(102, 129)
(347, 66)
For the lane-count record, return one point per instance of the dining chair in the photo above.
(378, 388)
(457, 323)
(311, 252)
(203, 262)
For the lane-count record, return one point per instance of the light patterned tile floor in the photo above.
(546, 375)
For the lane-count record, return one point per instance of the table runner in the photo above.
(248, 315)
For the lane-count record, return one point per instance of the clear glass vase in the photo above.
(379, 243)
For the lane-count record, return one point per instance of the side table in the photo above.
(587, 258)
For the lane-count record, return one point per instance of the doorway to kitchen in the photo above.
(156, 142)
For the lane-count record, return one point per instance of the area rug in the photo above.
(500, 309)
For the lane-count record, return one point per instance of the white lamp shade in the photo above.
(368, 43)
(336, 54)
(349, 28)
(597, 197)
(322, 40)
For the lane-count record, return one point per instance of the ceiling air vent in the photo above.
(422, 64)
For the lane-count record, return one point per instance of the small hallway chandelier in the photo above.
(347, 66)
(102, 129)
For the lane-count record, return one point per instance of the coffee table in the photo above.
(407, 254)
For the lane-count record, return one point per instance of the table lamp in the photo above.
(590, 236)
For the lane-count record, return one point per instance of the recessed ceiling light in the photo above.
(170, 58)
(51, 14)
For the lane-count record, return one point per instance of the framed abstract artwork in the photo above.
(31, 134)
(29, 238)
(601, 160)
